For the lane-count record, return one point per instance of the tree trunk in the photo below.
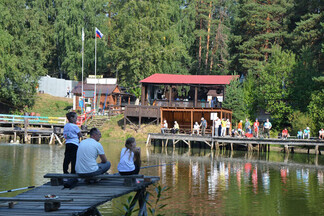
(208, 32)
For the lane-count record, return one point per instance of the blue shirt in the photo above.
(70, 133)
(299, 133)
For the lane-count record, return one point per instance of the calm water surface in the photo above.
(202, 182)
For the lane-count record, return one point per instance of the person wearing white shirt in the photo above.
(164, 127)
(196, 128)
(88, 151)
(130, 158)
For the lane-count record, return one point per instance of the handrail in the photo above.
(32, 119)
(84, 117)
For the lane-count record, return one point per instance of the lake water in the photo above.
(201, 181)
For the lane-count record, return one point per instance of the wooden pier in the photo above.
(259, 144)
(83, 199)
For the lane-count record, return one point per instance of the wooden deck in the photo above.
(216, 142)
(80, 200)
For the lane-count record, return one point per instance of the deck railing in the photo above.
(16, 119)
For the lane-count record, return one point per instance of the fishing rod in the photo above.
(12, 190)
(144, 167)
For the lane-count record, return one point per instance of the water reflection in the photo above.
(239, 182)
(203, 182)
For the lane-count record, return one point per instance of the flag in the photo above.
(98, 33)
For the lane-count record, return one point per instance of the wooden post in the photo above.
(39, 139)
(196, 96)
(217, 146)
(170, 95)
(286, 149)
(148, 141)
(212, 144)
(191, 121)
(316, 149)
(143, 95)
(25, 129)
(231, 146)
(15, 136)
(250, 147)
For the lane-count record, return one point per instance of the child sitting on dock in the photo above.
(196, 128)
(72, 135)
(130, 158)
(284, 133)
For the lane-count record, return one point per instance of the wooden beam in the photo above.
(196, 96)
(143, 95)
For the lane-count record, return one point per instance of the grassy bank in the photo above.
(47, 105)
(114, 130)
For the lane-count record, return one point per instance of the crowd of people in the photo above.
(82, 156)
(222, 127)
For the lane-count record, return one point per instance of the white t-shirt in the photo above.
(87, 154)
(196, 126)
(218, 123)
(70, 133)
(126, 163)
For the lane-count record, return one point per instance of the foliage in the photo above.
(154, 204)
(299, 121)
(234, 99)
(274, 85)
(316, 108)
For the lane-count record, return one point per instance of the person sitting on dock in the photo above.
(284, 133)
(196, 128)
(88, 151)
(300, 134)
(164, 126)
(306, 134)
(130, 158)
(248, 133)
(240, 127)
(72, 135)
(321, 134)
(175, 128)
(267, 127)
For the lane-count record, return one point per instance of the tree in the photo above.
(274, 85)
(146, 40)
(24, 50)
(257, 26)
(235, 100)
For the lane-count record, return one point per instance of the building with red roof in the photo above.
(182, 98)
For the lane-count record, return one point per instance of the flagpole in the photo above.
(95, 91)
(82, 68)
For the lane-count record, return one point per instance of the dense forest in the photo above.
(276, 45)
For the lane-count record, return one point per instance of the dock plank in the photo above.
(85, 196)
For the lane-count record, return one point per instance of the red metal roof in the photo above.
(189, 79)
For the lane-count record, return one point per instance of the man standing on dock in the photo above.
(203, 125)
(266, 128)
(88, 151)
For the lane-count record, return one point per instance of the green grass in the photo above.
(47, 105)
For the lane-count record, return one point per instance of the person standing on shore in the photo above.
(267, 127)
(72, 135)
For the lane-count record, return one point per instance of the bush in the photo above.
(301, 120)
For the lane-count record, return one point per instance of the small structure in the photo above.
(182, 98)
(107, 94)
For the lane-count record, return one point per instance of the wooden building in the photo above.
(181, 98)
(107, 94)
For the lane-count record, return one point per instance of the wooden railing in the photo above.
(85, 117)
(142, 111)
(16, 119)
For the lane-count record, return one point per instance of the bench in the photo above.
(50, 204)
(57, 178)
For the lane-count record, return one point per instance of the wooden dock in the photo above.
(259, 144)
(83, 199)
